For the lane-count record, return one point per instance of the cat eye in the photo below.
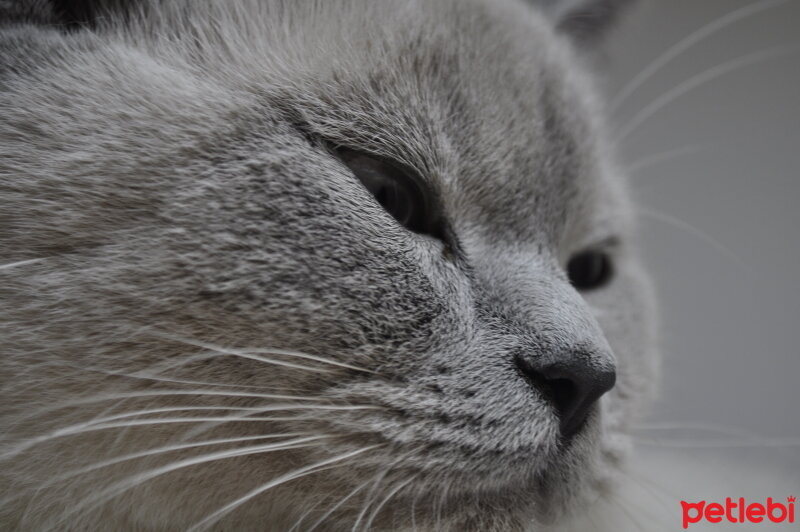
(590, 269)
(397, 190)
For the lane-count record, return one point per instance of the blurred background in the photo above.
(706, 104)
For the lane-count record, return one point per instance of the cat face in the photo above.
(347, 264)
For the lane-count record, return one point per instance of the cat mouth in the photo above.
(479, 446)
(495, 451)
(441, 480)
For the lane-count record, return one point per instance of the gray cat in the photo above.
(331, 265)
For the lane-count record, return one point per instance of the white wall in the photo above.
(728, 262)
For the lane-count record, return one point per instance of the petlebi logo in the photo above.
(738, 511)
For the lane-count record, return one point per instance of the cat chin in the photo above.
(500, 493)
(583, 475)
(583, 471)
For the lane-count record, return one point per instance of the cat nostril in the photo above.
(573, 386)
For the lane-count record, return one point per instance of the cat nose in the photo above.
(573, 383)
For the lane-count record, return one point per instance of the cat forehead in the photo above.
(480, 98)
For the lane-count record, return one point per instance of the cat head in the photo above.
(348, 261)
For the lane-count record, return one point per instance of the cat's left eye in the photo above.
(396, 190)
(590, 269)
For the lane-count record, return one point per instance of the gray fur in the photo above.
(168, 195)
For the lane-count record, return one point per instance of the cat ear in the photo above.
(585, 21)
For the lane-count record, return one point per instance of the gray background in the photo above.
(716, 175)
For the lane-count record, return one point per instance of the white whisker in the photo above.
(369, 497)
(658, 158)
(413, 507)
(258, 409)
(386, 499)
(10, 265)
(440, 501)
(752, 437)
(307, 356)
(686, 43)
(157, 451)
(252, 354)
(131, 482)
(171, 448)
(680, 224)
(152, 377)
(697, 81)
(162, 393)
(101, 425)
(302, 517)
(135, 413)
(307, 470)
(167, 393)
(720, 444)
(377, 479)
(735, 431)
(257, 358)
(336, 506)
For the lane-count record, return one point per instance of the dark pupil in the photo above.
(590, 269)
(396, 191)
(396, 200)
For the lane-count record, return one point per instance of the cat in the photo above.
(313, 265)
